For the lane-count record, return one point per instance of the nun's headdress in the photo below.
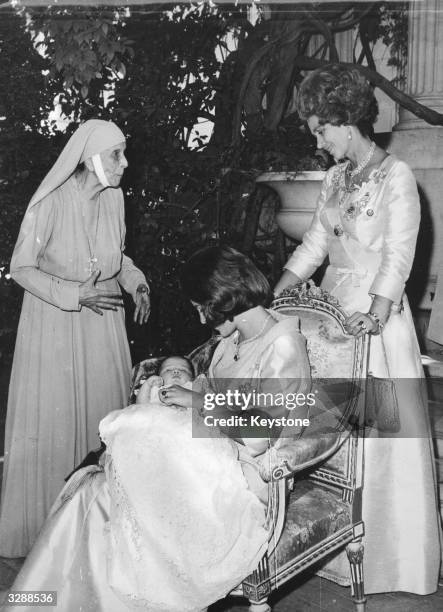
(91, 138)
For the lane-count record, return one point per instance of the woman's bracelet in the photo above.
(142, 288)
(374, 316)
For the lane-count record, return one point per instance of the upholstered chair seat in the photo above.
(313, 514)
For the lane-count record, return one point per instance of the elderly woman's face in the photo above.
(114, 163)
(332, 138)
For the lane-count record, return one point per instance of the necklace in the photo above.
(238, 343)
(364, 162)
(92, 242)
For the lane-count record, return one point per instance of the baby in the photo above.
(173, 371)
(165, 472)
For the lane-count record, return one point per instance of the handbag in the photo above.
(381, 406)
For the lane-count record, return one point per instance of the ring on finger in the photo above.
(363, 326)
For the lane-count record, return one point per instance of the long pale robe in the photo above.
(371, 253)
(71, 366)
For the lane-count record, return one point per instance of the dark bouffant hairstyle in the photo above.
(225, 283)
(340, 96)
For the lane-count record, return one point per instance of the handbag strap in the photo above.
(383, 350)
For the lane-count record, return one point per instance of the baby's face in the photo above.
(175, 370)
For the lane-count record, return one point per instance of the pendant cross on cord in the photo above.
(92, 261)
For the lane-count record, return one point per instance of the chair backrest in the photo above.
(333, 353)
(338, 365)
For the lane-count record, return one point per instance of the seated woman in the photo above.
(174, 522)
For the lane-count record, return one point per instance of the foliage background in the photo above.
(157, 73)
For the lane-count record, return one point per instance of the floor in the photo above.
(308, 594)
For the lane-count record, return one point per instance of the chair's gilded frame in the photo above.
(265, 578)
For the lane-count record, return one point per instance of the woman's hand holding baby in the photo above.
(175, 394)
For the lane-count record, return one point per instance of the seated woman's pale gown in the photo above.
(171, 523)
(370, 235)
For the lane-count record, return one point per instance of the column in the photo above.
(420, 144)
(425, 60)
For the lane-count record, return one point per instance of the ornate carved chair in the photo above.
(315, 482)
(314, 512)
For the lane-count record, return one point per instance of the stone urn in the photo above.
(298, 192)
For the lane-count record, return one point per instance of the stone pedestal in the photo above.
(298, 193)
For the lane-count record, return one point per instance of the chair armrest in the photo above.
(289, 457)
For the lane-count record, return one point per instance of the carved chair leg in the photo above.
(257, 587)
(355, 551)
(259, 606)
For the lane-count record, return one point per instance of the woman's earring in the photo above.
(349, 135)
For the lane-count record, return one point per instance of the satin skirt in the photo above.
(70, 554)
(400, 502)
(168, 524)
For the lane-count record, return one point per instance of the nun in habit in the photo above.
(71, 362)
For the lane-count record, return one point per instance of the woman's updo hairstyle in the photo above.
(338, 95)
(225, 283)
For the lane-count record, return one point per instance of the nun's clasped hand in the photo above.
(98, 299)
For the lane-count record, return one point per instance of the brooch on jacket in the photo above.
(355, 208)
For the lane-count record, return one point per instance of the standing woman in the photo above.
(71, 362)
(367, 221)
